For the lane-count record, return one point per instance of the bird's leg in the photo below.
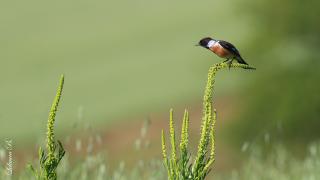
(229, 62)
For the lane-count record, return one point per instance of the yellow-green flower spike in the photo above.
(184, 132)
(164, 149)
(51, 120)
(164, 153)
(172, 138)
(207, 108)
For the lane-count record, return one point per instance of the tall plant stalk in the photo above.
(183, 167)
(50, 159)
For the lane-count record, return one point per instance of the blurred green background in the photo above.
(126, 59)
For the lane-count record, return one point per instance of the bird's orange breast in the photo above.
(220, 51)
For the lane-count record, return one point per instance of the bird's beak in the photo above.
(196, 45)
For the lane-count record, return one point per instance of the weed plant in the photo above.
(50, 159)
(180, 166)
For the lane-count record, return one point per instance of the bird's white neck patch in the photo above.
(211, 43)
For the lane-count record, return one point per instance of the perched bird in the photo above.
(223, 49)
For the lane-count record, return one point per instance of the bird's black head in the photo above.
(204, 42)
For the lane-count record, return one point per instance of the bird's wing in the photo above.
(229, 47)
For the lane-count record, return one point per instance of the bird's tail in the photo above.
(241, 60)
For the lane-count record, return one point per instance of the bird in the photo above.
(222, 49)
